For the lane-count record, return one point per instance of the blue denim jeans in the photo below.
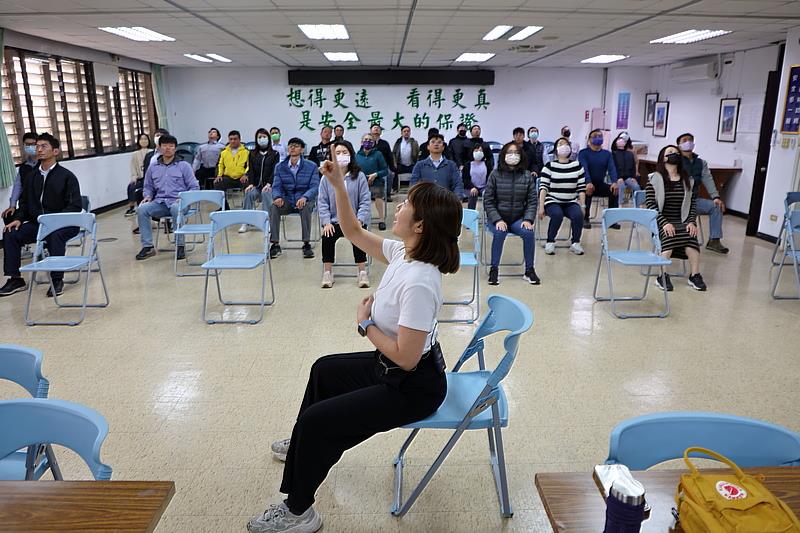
(708, 207)
(254, 195)
(154, 209)
(528, 244)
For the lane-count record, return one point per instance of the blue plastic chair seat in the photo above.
(12, 467)
(193, 229)
(65, 263)
(462, 389)
(468, 259)
(234, 261)
(637, 258)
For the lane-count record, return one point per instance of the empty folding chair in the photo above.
(31, 421)
(791, 249)
(789, 202)
(190, 206)
(470, 219)
(475, 400)
(71, 263)
(639, 258)
(217, 262)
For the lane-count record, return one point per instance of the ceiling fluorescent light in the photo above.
(689, 36)
(524, 33)
(137, 33)
(605, 58)
(218, 57)
(324, 31)
(472, 57)
(341, 56)
(154, 35)
(497, 32)
(200, 58)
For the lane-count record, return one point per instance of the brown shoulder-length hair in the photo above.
(352, 168)
(501, 159)
(661, 167)
(439, 209)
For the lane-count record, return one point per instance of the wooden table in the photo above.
(721, 173)
(83, 505)
(574, 502)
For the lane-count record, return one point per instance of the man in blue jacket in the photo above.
(437, 169)
(597, 163)
(294, 190)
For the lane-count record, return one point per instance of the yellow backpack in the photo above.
(723, 503)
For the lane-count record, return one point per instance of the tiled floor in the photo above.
(200, 404)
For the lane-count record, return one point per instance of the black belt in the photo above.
(434, 355)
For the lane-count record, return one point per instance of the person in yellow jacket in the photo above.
(233, 165)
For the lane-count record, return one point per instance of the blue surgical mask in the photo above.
(533, 135)
(263, 141)
(30, 149)
(597, 141)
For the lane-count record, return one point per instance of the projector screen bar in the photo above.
(360, 77)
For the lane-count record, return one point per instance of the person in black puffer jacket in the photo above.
(260, 173)
(510, 201)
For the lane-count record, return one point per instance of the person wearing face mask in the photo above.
(438, 169)
(598, 163)
(474, 175)
(714, 208)
(535, 150)
(406, 151)
(510, 203)
(260, 174)
(562, 191)
(669, 192)
(275, 135)
(488, 158)
(625, 163)
(359, 195)
(460, 144)
(24, 169)
(565, 132)
(136, 184)
(518, 136)
(373, 164)
(206, 158)
(320, 152)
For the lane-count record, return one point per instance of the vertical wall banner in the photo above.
(791, 106)
(623, 110)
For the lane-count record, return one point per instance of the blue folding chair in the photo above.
(475, 400)
(69, 263)
(638, 258)
(470, 219)
(190, 206)
(221, 220)
(30, 421)
(648, 440)
(23, 366)
(790, 235)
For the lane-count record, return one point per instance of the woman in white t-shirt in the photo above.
(351, 397)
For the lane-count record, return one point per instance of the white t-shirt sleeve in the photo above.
(392, 248)
(418, 308)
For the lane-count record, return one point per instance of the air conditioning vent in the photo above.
(297, 47)
(527, 48)
(706, 71)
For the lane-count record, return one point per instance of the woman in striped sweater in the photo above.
(562, 192)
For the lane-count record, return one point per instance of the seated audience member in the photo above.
(597, 163)
(714, 208)
(510, 204)
(670, 193)
(275, 135)
(537, 148)
(562, 187)
(406, 151)
(374, 166)
(137, 174)
(531, 156)
(321, 152)
(439, 169)
(50, 188)
(338, 136)
(294, 190)
(24, 169)
(566, 132)
(233, 166)
(152, 155)
(359, 195)
(423, 148)
(260, 173)
(625, 163)
(488, 156)
(206, 158)
(165, 178)
(474, 175)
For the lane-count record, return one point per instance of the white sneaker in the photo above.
(550, 248)
(278, 518)
(280, 448)
(363, 279)
(243, 228)
(327, 280)
(576, 248)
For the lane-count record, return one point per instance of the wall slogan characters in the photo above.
(791, 105)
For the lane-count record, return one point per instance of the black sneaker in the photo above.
(696, 282)
(666, 282)
(59, 285)
(275, 250)
(587, 224)
(12, 286)
(381, 226)
(144, 253)
(715, 245)
(136, 231)
(130, 212)
(615, 226)
(493, 276)
(308, 253)
(181, 252)
(531, 277)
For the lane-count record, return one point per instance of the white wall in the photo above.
(249, 98)
(782, 161)
(694, 107)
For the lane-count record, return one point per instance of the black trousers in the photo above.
(348, 400)
(603, 190)
(135, 189)
(329, 247)
(229, 183)
(204, 176)
(14, 240)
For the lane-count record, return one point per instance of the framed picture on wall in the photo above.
(728, 119)
(650, 100)
(660, 119)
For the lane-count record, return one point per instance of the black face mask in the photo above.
(462, 133)
(674, 159)
(565, 133)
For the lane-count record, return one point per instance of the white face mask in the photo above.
(564, 150)
(512, 159)
(155, 139)
(343, 160)
(263, 141)
(477, 156)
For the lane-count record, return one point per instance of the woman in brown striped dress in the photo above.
(670, 193)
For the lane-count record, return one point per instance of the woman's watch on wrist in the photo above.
(362, 326)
